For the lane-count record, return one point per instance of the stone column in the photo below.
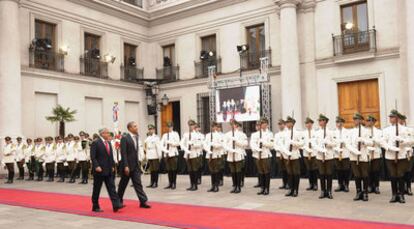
(409, 8)
(10, 72)
(289, 51)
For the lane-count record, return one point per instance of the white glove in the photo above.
(393, 148)
(370, 148)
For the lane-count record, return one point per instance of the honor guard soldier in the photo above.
(279, 156)
(9, 153)
(325, 155)
(20, 157)
(170, 142)
(50, 158)
(395, 141)
(255, 154)
(83, 157)
(29, 158)
(359, 154)
(153, 154)
(408, 176)
(71, 158)
(60, 159)
(262, 143)
(77, 150)
(214, 146)
(375, 154)
(343, 164)
(222, 158)
(200, 159)
(39, 152)
(192, 145)
(309, 154)
(235, 144)
(293, 141)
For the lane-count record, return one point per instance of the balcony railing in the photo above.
(354, 42)
(131, 74)
(134, 2)
(93, 67)
(201, 68)
(168, 73)
(49, 60)
(251, 60)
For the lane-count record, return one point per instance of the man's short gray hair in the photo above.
(100, 131)
(129, 125)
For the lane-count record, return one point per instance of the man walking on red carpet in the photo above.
(131, 148)
(103, 171)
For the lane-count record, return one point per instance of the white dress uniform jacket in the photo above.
(50, 153)
(325, 145)
(39, 151)
(374, 146)
(20, 151)
(309, 143)
(341, 139)
(60, 152)
(28, 152)
(364, 141)
(9, 153)
(215, 147)
(71, 152)
(278, 144)
(240, 143)
(389, 142)
(296, 141)
(152, 147)
(196, 143)
(169, 143)
(267, 142)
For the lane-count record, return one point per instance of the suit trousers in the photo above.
(135, 176)
(98, 180)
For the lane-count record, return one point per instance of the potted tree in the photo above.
(62, 115)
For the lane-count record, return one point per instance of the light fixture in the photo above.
(150, 100)
(165, 100)
(109, 58)
(155, 89)
(211, 53)
(349, 25)
(64, 50)
(242, 48)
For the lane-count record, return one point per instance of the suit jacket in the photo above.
(129, 153)
(101, 158)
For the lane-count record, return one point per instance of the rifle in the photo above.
(234, 143)
(359, 143)
(341, 146)
(211, 146)
(309, 144)
(189, 139)
(260, 144)
(397, 143)
(372, 136)
(324, 136)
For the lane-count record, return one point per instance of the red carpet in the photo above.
(178, 215)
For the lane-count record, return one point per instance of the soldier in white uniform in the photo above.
(375, 155)
(50, 158)
(408, 175)
(292, 142)
(29, 159)
(255, 154)
(214, 146)
(279, 156)
(60, 158)
(343, 163)
(309, 154)
(84, 156)
(200, 159)
(9, 153)
(152, 149)
(169, 145)
(39, 153)
(20, 157)
(325, 145)
(222, 158)
(71, 153)
(359, 141)
(235, 145)
(192, 144)
(395, 142)
(261, 143)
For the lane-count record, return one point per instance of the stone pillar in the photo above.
(289, 51)
(10, 72)
(409, 8)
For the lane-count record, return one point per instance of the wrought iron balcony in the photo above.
(250, 60)
(168, 73)
(93, 67)
(131, 74)
(352, 42)
(201, 68)
(46, 59)
(134, 2)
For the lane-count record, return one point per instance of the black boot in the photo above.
(358, 186)
(329, 187)
(152, 180)
(212, 183)
(340, 182)
(174, 182)
(199, 176)
(376, 183)
(290, 182)
(284, 180)
(156, 175)
(169, 180)
(262, 184)
(216, 182)
(221, 178)
(401, 183)
(365, 190)
(239, 181)
(394, 197)
(259, 184)
(323, 187)
(296, 180)
(233, 178)
(310, 178)
(191, 182)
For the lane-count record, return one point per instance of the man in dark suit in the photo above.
(131, 148)
(103, 171)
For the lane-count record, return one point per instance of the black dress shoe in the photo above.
(97, 210)
(173, 186)
(346, 188)
(211, 189)
(144, 205)
(358, 196)
(282, 187)
(168, 187)
(365, 196)
(309, 188)
(290, 193)
(377, 191)
(402, 199)
(329, 195)
(295, 193)
(394, 199)
(266, 192)
(322, 195)
(257, 186)
(338, 189)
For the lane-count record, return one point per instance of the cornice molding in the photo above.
(287, 3)
(17, 1)
(76, 78)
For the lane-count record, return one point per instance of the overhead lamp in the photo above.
(242, 48)
(109, 58)
(64, 50)
(349, 25)
(165, 100)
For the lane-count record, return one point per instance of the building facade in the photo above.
(326, 56)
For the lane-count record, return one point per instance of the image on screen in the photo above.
(239, 103)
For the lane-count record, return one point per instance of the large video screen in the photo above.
(240, 103)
